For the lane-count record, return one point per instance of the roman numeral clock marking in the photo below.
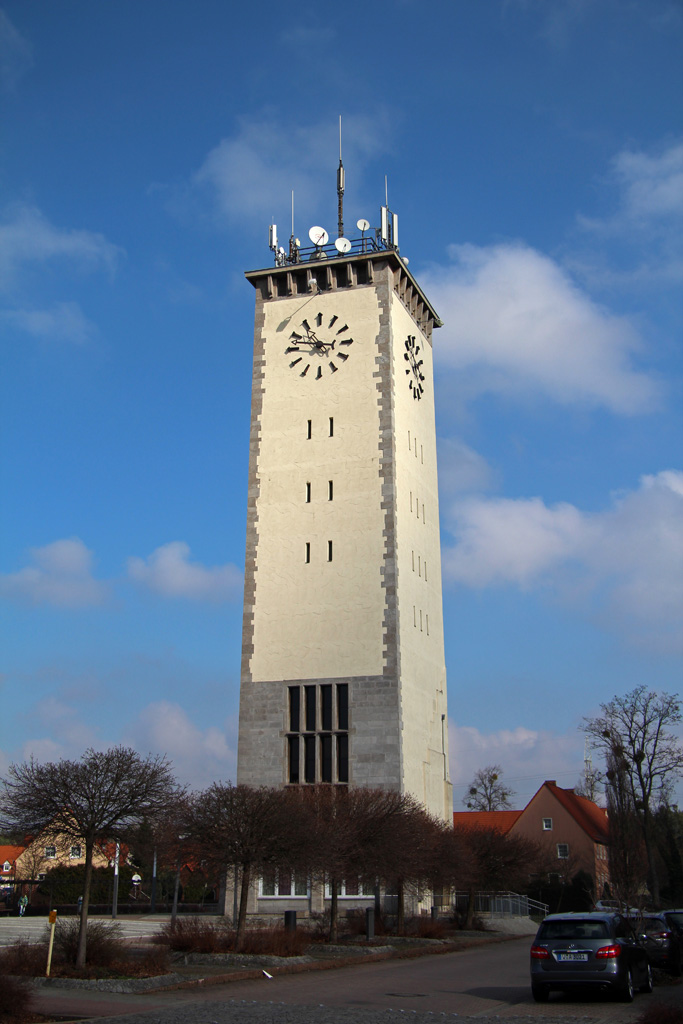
(314, 341)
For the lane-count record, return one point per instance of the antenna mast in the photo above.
(340, 186)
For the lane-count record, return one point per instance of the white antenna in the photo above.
(340, 187)
(293, 242)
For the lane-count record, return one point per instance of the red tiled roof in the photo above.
(10, 853)
(591, 818)
(499, 821)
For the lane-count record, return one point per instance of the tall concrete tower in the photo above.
(343, 677)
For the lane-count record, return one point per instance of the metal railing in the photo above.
(310, 253)
(501, 904)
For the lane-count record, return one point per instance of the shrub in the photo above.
(425, 928)
(196, 935)
(661, 1013)
(15, 998)
(104, 943)
(276, 941)
(23, 958)
(154, 960)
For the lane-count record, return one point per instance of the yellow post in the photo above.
(52, 918)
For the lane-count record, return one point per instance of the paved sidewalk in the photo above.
(32, 929)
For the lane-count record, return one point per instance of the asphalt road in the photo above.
(486, 982)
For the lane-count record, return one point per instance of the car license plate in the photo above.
(565, 957)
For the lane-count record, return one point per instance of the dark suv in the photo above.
(661, 933)
(591, 950)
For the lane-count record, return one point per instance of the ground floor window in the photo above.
(283, 883)
(352, 887)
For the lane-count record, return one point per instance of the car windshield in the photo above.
(676, 919)
(573, 930)
(652, 925)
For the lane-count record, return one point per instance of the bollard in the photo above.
(369, 923)
(290, 920)
(52, 918)
(435, 913)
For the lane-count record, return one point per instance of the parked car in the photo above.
(615, 907)
(661, 934)
(590, 950)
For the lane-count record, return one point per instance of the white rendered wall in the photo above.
(322, 619)
(423, 670)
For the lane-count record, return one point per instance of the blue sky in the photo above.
(534, 154)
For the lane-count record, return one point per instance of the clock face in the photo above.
(414, 370)
(319, 346)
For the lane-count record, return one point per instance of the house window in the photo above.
(7, 866)
(283, 883)
(76, 852)
(352, 887)
(562, 851)
(50, 852)
(547, 824)
(318, 747)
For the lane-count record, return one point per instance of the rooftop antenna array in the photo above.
(388, 230)
(294, 243)
(340, 188)
(385, 236)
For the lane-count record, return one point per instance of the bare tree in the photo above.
(101, 796)
(633, 734)
(250, 828)
(495, 860)
(487, 792)
(626, 852)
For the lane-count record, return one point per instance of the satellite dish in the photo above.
(342, 245)
(318, 235)
(363, 225)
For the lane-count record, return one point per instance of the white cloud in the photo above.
(461, 469)
(16, 54)
(515, 323)
(251, 175)
(528, 758)
(61, 576)
(27, 237)
(650, 187)
(645, 229)
(199, 757)
(169, 572)
(625, 563)
(65, 321)
(68, 735)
